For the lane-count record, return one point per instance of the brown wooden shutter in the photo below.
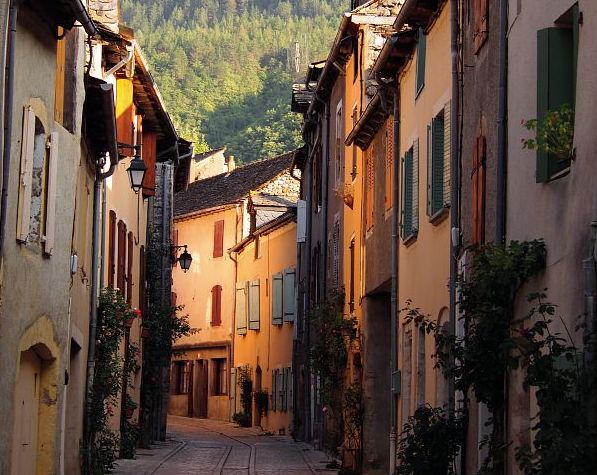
(370, 186)
(149, 157)
(219, 238)
(389, 161)
(111, 248)
(216, 305)
(173, 298)
(120, 271)
(129, 270)
(478, 195)
(60, 77)
(142, 279)
(481, 16)
(174, 251)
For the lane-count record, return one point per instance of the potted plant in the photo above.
(554, 133)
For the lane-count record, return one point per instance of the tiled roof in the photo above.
(229, 188)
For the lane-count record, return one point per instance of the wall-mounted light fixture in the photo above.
(136, 169)
(185, 258)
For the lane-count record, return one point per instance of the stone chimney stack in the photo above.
(230, 163)
(105, 12)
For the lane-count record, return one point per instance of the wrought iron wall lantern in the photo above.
(136, 169)
(184, 259)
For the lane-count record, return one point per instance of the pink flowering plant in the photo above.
(554, 133)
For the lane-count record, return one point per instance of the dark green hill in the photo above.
(225, 67)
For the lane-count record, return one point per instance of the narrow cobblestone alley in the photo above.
(206, 447)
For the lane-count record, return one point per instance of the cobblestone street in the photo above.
(206, 447)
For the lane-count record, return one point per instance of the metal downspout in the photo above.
(307, 327)
(500, 226)
(395, 282)
(455, 180)
(9, 75)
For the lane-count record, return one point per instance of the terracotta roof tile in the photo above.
(229, 188)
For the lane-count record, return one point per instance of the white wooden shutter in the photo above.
(254, 305)
(232, 392)
(289, 298)
(50, 234)
(301, 221)
(25, 177)
(241, 308)
(277, 299)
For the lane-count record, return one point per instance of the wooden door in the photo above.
(202, 386)
(26, 414)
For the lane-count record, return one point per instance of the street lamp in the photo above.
(185, 258)
(136, 171)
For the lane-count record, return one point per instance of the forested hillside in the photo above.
(225, 67)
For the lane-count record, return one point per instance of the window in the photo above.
(129, 269)
(438, 165)
(111, 248)
(220, 377)
(289, 299)
(216, 305)
(421, 367)
(121, 268)
(277, 298)
(422, 46)
(557, 51)
(240, 307)
(351, 290)
(301, 221)
(370, 185)
(183, 376)
(355, 149)
(218, 238)
(339, 144)
(389, 161)
(410, 191)
(37, 183)
(254, 305)
(478, 191)
(406, 373)
(481, 12)
(317, 181)
(336, 253)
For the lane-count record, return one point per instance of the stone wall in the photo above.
(105, 12)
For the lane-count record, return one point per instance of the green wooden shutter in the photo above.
(447, 151)
(422, 46)
(273, 394)
(241, 308)
(437, 164)
(289, 299)
(407, 200)
(254, 305)
(415, 187)
(277, 299)
(555, 75)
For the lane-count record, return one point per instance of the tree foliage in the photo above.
(225, 67)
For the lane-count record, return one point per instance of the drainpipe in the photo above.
(395, 282)
(455, 180)
(9, 75)
(307, 327)
(500, 227)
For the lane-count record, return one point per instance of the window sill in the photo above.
(440, 215)
(411, 238)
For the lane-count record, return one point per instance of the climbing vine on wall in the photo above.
(245, 384)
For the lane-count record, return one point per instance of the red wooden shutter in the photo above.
(149, 157)
(174, 252)
(219, 238)
(142, 279)
(120, 272)
(129, 270)
(478, 205)
(216, 305)
(481, 16)
(111, 248)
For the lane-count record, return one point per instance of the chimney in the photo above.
(230, 163)
(105, 12)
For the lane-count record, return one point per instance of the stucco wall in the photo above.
(424, 262)
(35, 288)
(270, 347)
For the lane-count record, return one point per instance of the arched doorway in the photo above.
(24, 453)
